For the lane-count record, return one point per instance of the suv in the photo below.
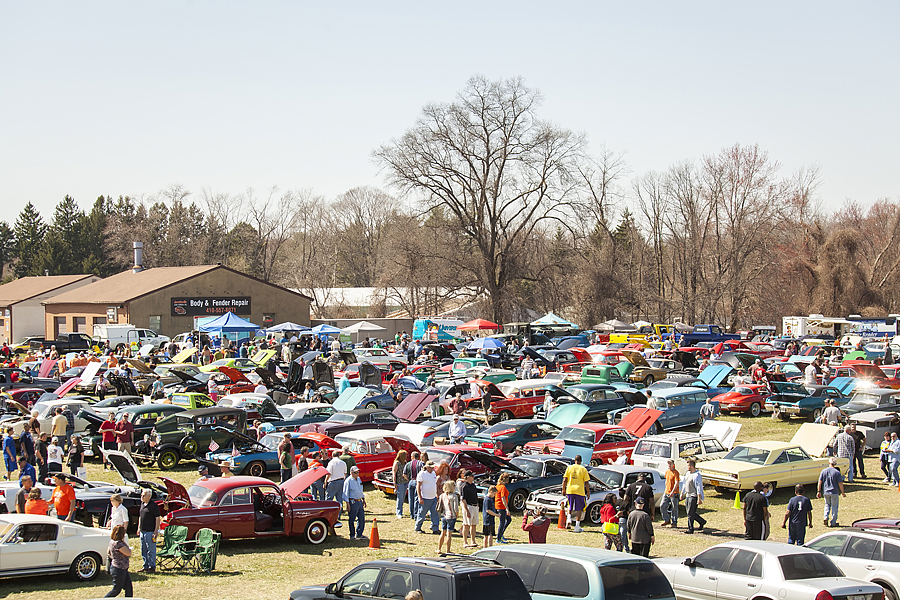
(188, 434)
(444, 578)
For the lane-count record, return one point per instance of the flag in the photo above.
(235, 451)
(213, 446)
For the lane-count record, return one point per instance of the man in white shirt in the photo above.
(335, 345)
(809, 374)
(426, 490)
(334, 481)
(457, 430)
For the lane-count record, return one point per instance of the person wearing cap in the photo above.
(203, 471)
(63, 498)
(356, 503)
(457, 430)
(640, 529)
(426, 492)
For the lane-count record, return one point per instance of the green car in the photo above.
(187, 435)
(804, 401)
(461, 365)
(190, 400)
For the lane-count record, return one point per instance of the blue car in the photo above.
(527, 473)
(254, 458)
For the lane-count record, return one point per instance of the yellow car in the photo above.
(781, 464)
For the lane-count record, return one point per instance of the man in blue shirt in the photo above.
(799, 511)
(26, 469)
(831, 487)
(356, 503)
(9, 453)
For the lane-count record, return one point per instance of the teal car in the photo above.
(555, 571)
(805, 401)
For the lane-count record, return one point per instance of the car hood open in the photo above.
(412, 406)
(491, 461)
(263, 356)
(568, 414)
(814, 437)
(635, 358)
(184, 355)
(234, 375)
(66, 387)
(140, 365)
(268, 378)
(724, 431)
(350, 399)
(294, 486)
(714, 375)
(124, 466)
(399, 444)
(177, 491)
(638, 421)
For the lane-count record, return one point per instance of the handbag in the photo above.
(81, 472)
(611, 528)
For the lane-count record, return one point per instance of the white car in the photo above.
(713, 441)
(46, 412)
(607, 479)
(38, 545)
(874, 424)
(867, 554)
(746, 570)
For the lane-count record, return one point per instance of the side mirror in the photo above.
(688, 562)
(333, 589)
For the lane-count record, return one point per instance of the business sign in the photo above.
(112, 315)
(195, 307)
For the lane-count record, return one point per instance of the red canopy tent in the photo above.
(478, 324)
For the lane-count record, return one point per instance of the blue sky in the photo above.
(127, 98)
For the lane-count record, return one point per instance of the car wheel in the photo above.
(441, 412)
(316, 531)
(700, 420)
(372, 405)
(755, 409)
(816, 413)
(596, 462)
(593, 513)
(517, 500)
(256, 469)
(772, 485)
(506, 415)
(721, 490)
(655, 429)
(649, 379)
(889, 593)
(168, 460)
(188, 445)
(85, 567)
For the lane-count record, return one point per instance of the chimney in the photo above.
(138, 257)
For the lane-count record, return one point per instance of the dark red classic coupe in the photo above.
(253, 507)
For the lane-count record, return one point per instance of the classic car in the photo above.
(143, 418)
(714, 440)
(436, 431)
(647, 371)
(25, 395)
(458, 456)
(748, 399)
(527, 473)
(253, 507)
(185, 435)
(604, 480)
(511, 399)
(244, 365)
(39, 545)
(599, 399)
(872, 399)
(598, 441)
(348, 420)
(251, 457)
(190, 400)
(783, 464)
(372, 449)
(870, 555)
(462, 365)
(316, 372)
(503, 437)
(791, 399)
(874, 424)
(47, 410)
(679, 407)
(303, 413)
(112, 404)
(750, 569)
(378, 356)
(869, 374)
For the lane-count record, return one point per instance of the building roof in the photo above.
(24, 288)
(128, 285)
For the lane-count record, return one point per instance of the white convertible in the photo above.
(35, 545)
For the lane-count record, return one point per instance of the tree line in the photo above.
(512, 213)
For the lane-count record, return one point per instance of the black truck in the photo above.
(65, 342)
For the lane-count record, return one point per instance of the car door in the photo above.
(32, 546)
(742, 578)
(700, 580)
(860, 557)
(803, 468)
(236, 514)
(360, 583)
(611, 443)
(395, 584)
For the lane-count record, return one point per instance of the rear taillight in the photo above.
(824, 595)
(430, 433)
(492, 573)
(487, 444)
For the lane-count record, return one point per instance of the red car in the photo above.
(253, 507)
(748, 399)
(511, 399)
(607, 440)
(866, 371)
(239, 383)
(458, 456)
(372, 449)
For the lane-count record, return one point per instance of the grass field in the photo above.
(271, 570)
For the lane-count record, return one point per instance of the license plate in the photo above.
(857, 598)
(714, 482)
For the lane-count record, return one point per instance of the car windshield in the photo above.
(437, 456)
(272, 440)
(635, 581)
(532, 468)
(580, 395)
(612, 479)
(108, 403)
(663, 385)
(808, 565)
(657, 363)
(202, 497)
(180, 400)
(222, 362)
(654, 448)
(576, 435)
(873, 399)
(341, 418)
(743, 391)
(748, 454)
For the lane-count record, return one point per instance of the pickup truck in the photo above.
(706, 333)
(65, 342)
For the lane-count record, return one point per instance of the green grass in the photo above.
(272, 569)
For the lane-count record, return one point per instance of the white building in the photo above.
(21, 311)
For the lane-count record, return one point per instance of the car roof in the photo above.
(212, 411)
(774, 548)
(444, 564)
(678, 436)
(594, 426)
(221, 484)
(594, 556)
(367, 435)
(880, 532)
(677, 391)
(769, 445)
(625, 469)
(362, 411)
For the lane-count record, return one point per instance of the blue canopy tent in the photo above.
(325, 330)
(230, 323)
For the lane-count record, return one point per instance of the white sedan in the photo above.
(745, 570)
(37, 545)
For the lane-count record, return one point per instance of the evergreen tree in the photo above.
(29, 231)
(7, 246)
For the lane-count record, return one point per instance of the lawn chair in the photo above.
(170, 555)
(206, 551)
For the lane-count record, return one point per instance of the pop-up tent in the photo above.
(362, 326)
(287, 326)
(552, 319)
(232, 327)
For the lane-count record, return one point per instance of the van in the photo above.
(120, 336)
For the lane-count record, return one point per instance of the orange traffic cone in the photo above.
(374, 540)
(562, 517)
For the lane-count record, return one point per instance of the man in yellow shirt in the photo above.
(575, 486)
(669, 506)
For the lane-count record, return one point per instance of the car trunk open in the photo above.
(814, 438)
(638, 421)
(294, 486)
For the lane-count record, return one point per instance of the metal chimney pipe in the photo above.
(138, 257)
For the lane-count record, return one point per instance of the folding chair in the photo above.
(170, 554)
(206, 551)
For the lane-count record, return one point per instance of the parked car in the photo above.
(511, 399)
(868, 554)
(791, 399)
(303, 413)
(451, 577)
(503, 437)
(604, 480)
(372, 449)
(600, 400)
(782, 464)
(185, 435)
(143, 417)
(458, 456)
(527, 473)
(714, 440)
(111, 404)
(249, 456)
(38, 545)
(749, 399)
(437, 430)
(872, 399)
(253, 507)
(878, 523)
(750, 569)
(874, 424)
(12, 378)
(47, 410)
(558, 571)
(349, 420)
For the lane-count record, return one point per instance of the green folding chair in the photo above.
(206, 551)
(170, 553)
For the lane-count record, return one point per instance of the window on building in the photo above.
(99, 320)
(81, 325)
(155, 323)
(59, 326)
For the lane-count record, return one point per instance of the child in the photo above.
(489, 516)
(501, 504)
(448, 504)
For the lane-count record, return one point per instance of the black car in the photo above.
(445, 578)
(350, 420)
(13, 378)
(527, 473)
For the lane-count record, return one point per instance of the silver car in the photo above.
(867, 554)
(748, 569)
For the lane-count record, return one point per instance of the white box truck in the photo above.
(120, 336)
